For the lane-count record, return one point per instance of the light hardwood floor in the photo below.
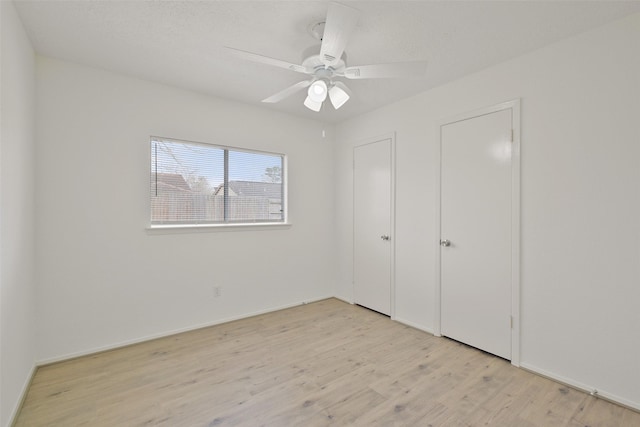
(326, 363)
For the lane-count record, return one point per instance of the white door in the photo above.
(372, 225)
(475, 227)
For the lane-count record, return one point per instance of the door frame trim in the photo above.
(392, 226)
(514, 106)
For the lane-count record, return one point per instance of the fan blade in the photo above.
(269, 61)
(288, 92)
(382, 71)
(340, 23)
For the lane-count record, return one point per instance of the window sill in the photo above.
(203, 228)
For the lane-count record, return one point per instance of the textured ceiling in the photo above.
(181, 43)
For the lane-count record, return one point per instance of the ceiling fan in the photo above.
(330, 63)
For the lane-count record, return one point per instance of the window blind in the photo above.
(196, 183)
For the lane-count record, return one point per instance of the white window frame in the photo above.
(213, 226)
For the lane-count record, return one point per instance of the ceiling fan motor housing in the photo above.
(313, 61)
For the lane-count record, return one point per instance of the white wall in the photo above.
(103, 278)
(580, 202)
(17, 235)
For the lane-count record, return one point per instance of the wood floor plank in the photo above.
(322, 364)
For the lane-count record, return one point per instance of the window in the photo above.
(194, 183)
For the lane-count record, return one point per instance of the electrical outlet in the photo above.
(217, 291)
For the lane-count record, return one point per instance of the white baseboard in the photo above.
(594, 391)
(121, 344)
(23, 395)
(414, 325)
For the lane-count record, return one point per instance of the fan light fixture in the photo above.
(317, 93)
(312, 105)
(339, 94)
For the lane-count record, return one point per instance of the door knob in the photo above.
(384, 237)
(445, 243)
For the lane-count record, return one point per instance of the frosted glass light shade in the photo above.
(318, 91)
(338, 95)
(312, 105)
